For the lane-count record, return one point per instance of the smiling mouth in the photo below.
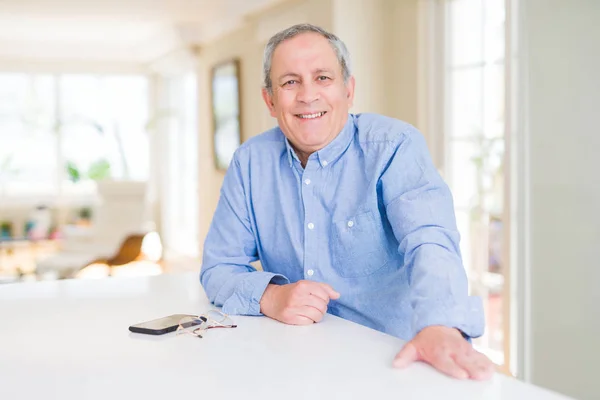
(311, 116)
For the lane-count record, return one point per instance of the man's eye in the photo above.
(290, 82)
(323, 78)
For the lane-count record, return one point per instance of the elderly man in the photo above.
(346, 213)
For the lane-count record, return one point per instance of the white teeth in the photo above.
(311, 116)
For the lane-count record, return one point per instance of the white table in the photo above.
(69, 340)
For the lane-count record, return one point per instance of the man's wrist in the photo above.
(446, 329)
(266, 299)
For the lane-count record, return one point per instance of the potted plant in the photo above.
(5, 230)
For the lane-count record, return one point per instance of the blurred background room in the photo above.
(118, 119)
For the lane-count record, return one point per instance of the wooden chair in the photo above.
(118, 222)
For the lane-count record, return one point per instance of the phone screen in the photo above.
(162, 323)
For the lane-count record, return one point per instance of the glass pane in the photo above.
(11, 137)
(492, 285)
(28, 142)
(127, 113)
(82, 119)
(465, 30)
(494, 30)
(494, 101)
(463, 173)
(494, 201)
(81, 99)
(466, 108)
(13, 89)
(103, 126)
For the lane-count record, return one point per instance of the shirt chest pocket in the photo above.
(357, 247)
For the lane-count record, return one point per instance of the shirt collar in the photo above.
(330, 153)
(333, 150)
(290, 152)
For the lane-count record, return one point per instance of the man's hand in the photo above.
(300, 303)
(446, 350)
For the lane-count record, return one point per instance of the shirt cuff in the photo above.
(467, 318)
(246, 297)
(465, 336)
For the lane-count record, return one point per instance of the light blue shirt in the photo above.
(369, 215)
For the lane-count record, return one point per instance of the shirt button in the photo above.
(310, 272)
(311, 225)
(307, 181)
(324, 163)
(350, 224)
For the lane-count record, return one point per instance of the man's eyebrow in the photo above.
(295, 75)
(288, 74)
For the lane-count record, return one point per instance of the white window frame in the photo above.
(433, 120)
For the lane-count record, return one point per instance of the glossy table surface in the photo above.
(70, 340)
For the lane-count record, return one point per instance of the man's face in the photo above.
(310, 99)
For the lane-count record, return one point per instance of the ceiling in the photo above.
(114, 30)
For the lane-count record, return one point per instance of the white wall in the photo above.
(563, 58)
(361, 25)
(382, 38)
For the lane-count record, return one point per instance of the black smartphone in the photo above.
(159, 326)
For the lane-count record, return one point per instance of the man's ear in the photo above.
(350, 91)
(269, 102)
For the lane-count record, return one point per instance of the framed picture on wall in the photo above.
(225, 88)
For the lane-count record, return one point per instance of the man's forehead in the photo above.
(314, 51)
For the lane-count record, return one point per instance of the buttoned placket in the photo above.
(311, 225)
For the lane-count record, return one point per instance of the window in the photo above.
(474, 143)
(61, 132)
(180, 190)
(28, 143)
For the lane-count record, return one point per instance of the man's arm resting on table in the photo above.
(420, 210)
(227, 276)
(237, 290)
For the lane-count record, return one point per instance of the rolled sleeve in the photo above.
(420, 209)
(246, 297)
(227, 275)
(468, 317)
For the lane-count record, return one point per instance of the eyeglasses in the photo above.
(198, 325)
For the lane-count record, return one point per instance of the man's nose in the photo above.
(308, 93)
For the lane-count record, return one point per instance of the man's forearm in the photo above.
(440, 292)
(237, 289)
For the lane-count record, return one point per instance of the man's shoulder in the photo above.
(377, 128)
(272, 138)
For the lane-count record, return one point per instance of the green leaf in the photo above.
(99, 170)
(73, 172)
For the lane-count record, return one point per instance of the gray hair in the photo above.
(338, 46)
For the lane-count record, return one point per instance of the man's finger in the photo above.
(301, 320)
(331, 293)
(477, 365)
(320, 292)
(446, 364)
(317, 302)
(406, 356)
(310, 312)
